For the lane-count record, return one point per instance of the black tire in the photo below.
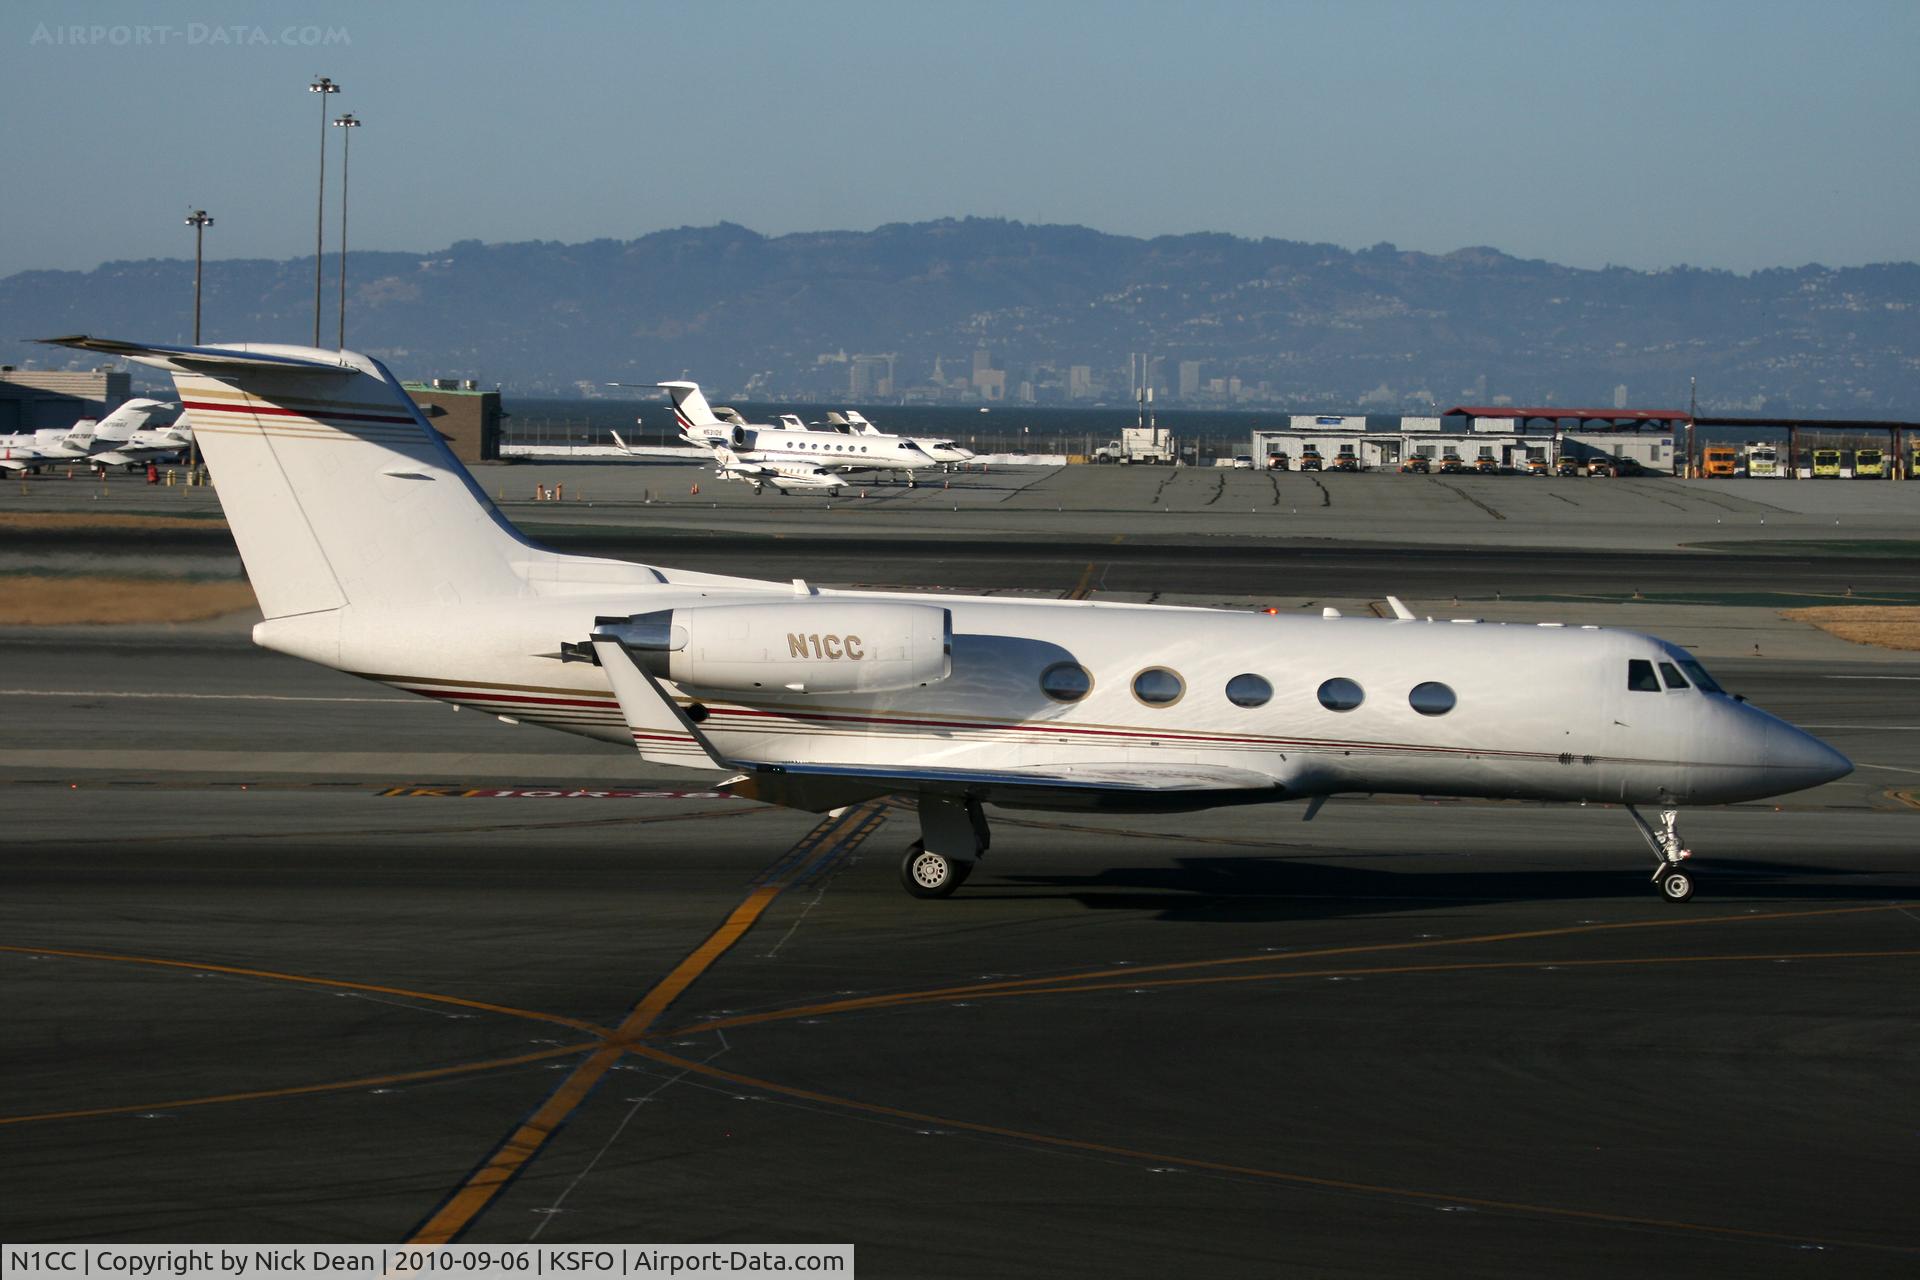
(1675, 885)
(924, 874)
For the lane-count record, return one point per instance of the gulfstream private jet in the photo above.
(372, 551)
(791, 441)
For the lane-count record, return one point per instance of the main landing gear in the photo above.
(953, 836)
(1675, 885)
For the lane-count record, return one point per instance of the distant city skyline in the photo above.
(1648, 135)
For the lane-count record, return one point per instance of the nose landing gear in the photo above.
(1675, 884)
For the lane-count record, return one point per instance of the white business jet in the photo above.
(86, 440)
(790, 441)
(372, 551)
(783, 476)
(149, 444)
(853, 422)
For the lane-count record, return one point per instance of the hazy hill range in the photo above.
(1320, 326)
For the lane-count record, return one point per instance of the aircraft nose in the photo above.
(1806, 761)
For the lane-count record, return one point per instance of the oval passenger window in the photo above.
(1158, 687)
(1249, 691)
(1341, 694)
(1066, 682)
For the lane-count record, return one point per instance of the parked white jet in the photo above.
(784, 476)
(791, 443)
(86, 439)
(20, 452)
(856, 423)
(149, 444)
(372, 551)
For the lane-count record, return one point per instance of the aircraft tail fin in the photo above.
(136, 414)
(336, 488)
(690, 408)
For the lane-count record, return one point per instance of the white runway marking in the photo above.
(1870, 677)
(202, 697)
(1890, 768)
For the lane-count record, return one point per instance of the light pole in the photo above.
(199, 221)
(323, 87)
(347, 124)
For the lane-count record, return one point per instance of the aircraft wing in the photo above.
(665, 735)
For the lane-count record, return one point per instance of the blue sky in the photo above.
(1647, 135)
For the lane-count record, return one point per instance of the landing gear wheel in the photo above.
(1676, 885)
(926, 874)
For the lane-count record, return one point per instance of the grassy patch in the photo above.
(104, 520)
(1887, 627)
(28, 600)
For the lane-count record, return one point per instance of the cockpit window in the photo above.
(1701, 680)
(1671, 674)
(1640, 677)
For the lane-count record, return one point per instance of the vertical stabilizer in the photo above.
(337, 490)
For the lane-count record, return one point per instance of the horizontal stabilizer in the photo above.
(200, 359)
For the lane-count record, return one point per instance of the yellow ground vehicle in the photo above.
(1600, 466)
(1310, 459)
(1487, 465)
(1450, 464)
(1871, 463)
(1719, 461)
(1536, 464)
(1416, 465)
(1567, 466)
(1826, 464)
(1277, 461)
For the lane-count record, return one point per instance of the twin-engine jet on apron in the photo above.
(372, 551)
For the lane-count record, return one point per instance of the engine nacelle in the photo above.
(803, 647)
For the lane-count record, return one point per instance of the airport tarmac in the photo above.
(285, 956)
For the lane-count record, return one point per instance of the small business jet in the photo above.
(149, 444)
(790, 441)
(86, 440)
(853, 422)
(372, 551)
(19, 452)
(783, 476)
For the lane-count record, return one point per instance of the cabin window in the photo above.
(1159, 687)
(1249, 691)
(1640, 677)
(1066, 682)
(1671, 674)
(1431, 698)
(1341, 694)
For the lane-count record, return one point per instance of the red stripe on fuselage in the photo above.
(272, 410)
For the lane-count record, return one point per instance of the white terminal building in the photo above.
(1509, 435)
